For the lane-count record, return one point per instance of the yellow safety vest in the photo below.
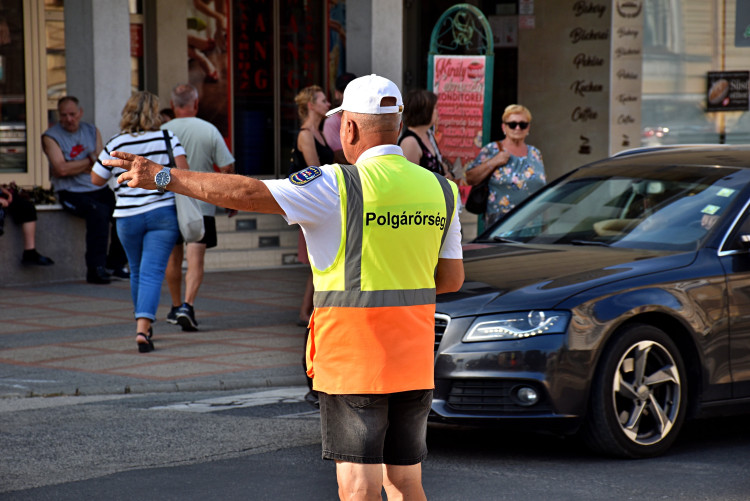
(373, 330)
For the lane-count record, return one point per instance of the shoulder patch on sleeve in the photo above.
(305, 176)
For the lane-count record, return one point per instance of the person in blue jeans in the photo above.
(146, 219)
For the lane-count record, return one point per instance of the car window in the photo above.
(671, 209)
(734, 242)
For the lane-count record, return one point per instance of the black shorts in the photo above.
(21, 210)
(209, 236)
(373, 429)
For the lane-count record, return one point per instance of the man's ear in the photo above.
(351, 131)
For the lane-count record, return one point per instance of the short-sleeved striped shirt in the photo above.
(151, 144)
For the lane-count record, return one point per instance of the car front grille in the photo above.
(490, 396)
(441, 324)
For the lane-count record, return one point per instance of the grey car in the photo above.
(613, 303)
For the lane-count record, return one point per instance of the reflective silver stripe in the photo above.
(353, 296)
(449, 204)
(373, 299)
(354, 217)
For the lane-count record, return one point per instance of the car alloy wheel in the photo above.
(638, 396)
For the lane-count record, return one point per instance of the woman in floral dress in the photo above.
(516, 168)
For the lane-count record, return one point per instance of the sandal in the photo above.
(148, 345)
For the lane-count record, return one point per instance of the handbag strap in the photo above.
(486, 180)
(169, 149)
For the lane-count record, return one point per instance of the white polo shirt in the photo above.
(316, 207)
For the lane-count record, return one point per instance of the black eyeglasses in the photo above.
(513, 125)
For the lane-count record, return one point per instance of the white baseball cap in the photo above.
(365, 95)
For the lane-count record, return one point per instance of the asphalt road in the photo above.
(264, 444)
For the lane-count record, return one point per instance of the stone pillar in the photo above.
(388, 39)
(169, 57)
(569, 99)
(359, 36)
(97, 58)
(586, 101)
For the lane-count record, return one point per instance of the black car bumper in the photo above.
(480, 382)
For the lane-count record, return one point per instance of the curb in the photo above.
(174, 387)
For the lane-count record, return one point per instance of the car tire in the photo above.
(639, 395)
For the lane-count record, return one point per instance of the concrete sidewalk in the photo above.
(77, 338)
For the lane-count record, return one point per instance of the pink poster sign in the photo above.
(459, 84)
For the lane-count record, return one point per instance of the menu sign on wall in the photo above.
(588, 40)
(727, 91)
(625, 76)
(459, 82)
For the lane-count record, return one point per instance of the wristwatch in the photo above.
(162, 179)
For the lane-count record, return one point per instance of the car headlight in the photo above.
(517, 325)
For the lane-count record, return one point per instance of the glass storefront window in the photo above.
(683, 40)
(262, 85)
(253, 71)
(302, 63)
(12, 88)
(679, 48)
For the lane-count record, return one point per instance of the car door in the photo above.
(735, 258)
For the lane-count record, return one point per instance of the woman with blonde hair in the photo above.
(312, 105)
(516, 168)
(311, 148)
(146, 219)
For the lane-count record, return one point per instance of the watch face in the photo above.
(162, 179)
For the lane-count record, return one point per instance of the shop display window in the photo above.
(12, 88)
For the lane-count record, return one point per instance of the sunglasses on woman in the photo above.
(513, 125)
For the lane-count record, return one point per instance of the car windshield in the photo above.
(671, 208)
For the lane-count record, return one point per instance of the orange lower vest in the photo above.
(373, 328)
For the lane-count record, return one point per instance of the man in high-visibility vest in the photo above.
(384, 238)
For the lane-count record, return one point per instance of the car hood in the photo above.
(508, 277)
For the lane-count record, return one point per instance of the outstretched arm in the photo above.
(225, 190)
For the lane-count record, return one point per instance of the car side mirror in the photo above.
(744, 241)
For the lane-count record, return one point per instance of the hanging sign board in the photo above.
(459, 82)
(727, 91)
(460, 68)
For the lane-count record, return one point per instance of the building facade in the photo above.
(598, 75)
